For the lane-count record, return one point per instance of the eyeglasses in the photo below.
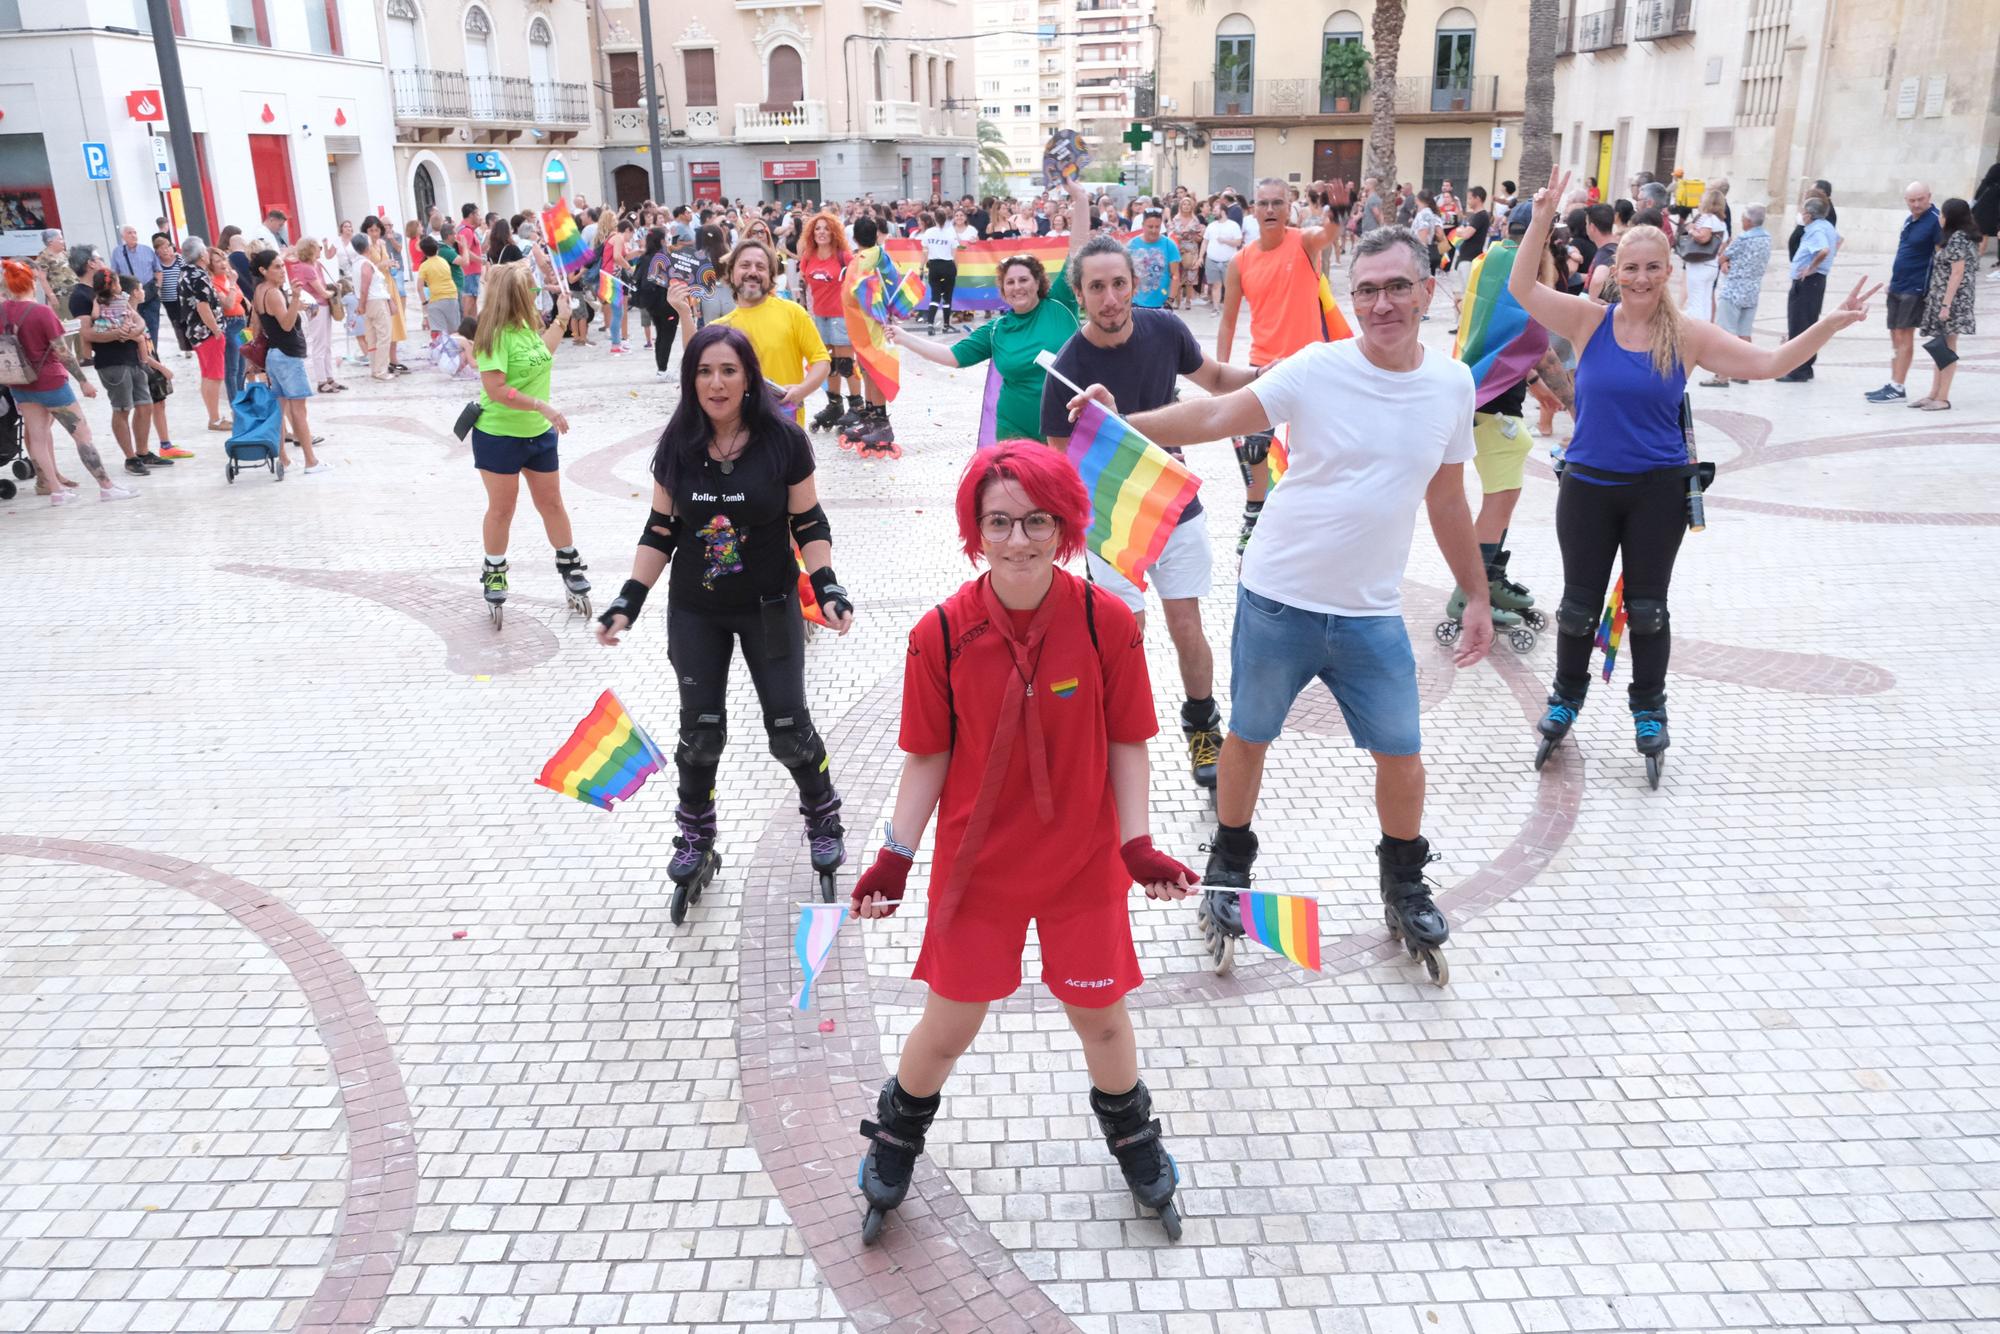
(1036, 526)
(1272, 203)
(1399, 290)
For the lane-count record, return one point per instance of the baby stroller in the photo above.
(253, 437)
(13, 448)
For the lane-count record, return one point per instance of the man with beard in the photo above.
(789, 349)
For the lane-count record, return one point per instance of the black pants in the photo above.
(700, 644)
(666, 332)
(1646, 521)
(943, 275)
(1802, 306)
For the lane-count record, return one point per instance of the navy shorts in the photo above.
(1365, 661)
(511, 453)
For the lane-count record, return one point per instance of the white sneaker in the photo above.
(321, 466)
(663, 375)
(116, 493)
(60, 497)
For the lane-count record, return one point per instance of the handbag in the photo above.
(15, 368)
(254, 350)
(1693, 251)
(468, 417)
(1940, 352)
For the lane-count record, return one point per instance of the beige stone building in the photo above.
(792, 99)
(1242, 92)
(492, 102)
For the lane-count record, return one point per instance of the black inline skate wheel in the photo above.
(1535, 619)
(1653, 772)
(826, 887)
(1447, 632)
(1543, 751)
(1522, 639)
(677, 910)
(871, 1225)
(496, 612)
(1170, 1219)
(1435, 965)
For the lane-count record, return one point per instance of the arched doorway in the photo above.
(424, 186)
(632, 183)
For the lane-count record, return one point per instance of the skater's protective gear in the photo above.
(830, 592)
(1148, 865)
(898, 1141)
(1252, 450)
(1576, 617)
(795, 744)
(703, 736)
(1405, 891)
(631, 598)
(886, 877)
(1646, 616)
(843, 366)
(811, 526)
(661, 532)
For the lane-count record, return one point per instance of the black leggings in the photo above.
(1646, 520)
(943, 274)
(700, 644)
(666, 331)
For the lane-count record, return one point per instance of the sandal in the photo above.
(1921, 403)
(1715, 382)
(1935, 405)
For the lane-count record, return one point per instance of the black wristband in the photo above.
(832, 597)
(630, 599)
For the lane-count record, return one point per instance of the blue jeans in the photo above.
(232, 354)
(149, 313)
(1365, 661)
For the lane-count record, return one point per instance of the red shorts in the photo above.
(208, 356)
(1084, 928)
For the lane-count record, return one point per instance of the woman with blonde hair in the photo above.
(518, 426)
(1703, 236)
(823, 256)
(304, 271)
(1626, 476)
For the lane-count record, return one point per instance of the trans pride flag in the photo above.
(564, 237)
(819, 923)
(1495, 336)
(1137, 490)
(606, 758)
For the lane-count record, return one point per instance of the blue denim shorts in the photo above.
(59, 397)
(1365, 661)
(832, 329)
(512, 453)
(287, 374)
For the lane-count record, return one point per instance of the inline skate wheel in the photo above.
(495, 612)
(1435, 965)
(1544, 750)
(1521, 639)
(1653, 772)
(580, 604)
(677, 911)
(1447, 632)
(871, 1225)
(826, 887)
(1170, 1219)
(1535, 619)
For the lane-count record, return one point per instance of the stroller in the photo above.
(13, 447)
(253, 439)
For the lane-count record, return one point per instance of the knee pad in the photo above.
(1252, 450)
(1576, 617)
(843, 365)
(702, 738)
(795, 742)
(1646, 616)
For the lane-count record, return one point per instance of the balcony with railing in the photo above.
(1658, 20)
(428, 95)
(1602, 28)
(1299, 99)
(895, 120)
(758, 124)
(442, 96)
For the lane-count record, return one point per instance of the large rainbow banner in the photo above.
(1495, 336)
(606, 758)
(1137, 490)
(1287, 923)
(978, 284)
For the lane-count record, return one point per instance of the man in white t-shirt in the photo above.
(1378, 423)
(1219, 245)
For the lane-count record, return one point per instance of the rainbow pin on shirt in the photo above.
(1063, 689)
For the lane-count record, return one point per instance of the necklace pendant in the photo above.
(728, 466)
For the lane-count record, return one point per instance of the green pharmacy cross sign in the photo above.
(1138, 136)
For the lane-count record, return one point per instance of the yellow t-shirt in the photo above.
(783, 337)
(437, 279)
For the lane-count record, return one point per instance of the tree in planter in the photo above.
(1343, 73)
(1388, 35)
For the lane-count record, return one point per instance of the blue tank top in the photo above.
(1628, 416)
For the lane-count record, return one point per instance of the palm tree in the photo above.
(1388, 41)
(993, 155)
(1538, 122)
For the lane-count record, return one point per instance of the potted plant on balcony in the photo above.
(1343, 74)
(1461, 79)
(1232, 89)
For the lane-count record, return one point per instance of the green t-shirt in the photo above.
(1012, 341)
(530, 366)
(449, 254)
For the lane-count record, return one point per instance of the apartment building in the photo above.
(1048, 65)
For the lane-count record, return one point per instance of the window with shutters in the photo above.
(786, 79)
(626, 87)
(698, 68)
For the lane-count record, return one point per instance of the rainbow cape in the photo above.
(564, 236)
(1611, 630)
(1137, 490)
(606, 758)
(874, 290)
(1286, 923)
(1495, 336)
(819, 923)
(978, 284)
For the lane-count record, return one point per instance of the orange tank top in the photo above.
(1282, 288)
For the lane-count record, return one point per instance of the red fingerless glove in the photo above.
(885, 877)
(1147, 864)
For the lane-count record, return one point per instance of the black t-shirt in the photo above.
(82, 301)
(509, 254)
(1508, 402)
(1142, 372)
(1604, 255)
(1578, 223)
(979, 220)
(735, 544)
(1473, 246)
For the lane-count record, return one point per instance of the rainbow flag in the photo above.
(808, 600)
(1137, 490)
(874, 291)
(1286, 923)
(565, 238)
(989, 408)
(819, 923)
(978, 284)
(1611, 630)
(606, 758)
(1495, 336)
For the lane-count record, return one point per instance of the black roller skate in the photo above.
(1134, 1136)
(884, 1175)
(877, 439)
(576, 588)
(695, 860)
(494, 580)
(1649, 734)
(823, 835)
(1407, 908)
(1508, 595)
(848, 425)
(1220, 915)
(1204, 746)
(829, 415)
(1506, 624)
(1555, 724)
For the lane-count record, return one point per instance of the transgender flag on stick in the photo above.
(819, 923)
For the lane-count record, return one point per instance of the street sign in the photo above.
(163, 172)
(96, 162)
(146, 104)
(1499, 142)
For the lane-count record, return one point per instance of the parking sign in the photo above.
(96, 162)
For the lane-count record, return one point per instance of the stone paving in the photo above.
(1720, 1056)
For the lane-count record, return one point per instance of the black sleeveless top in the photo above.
(291, 342)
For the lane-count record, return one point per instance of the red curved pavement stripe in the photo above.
(597, 470)
(381, 1200)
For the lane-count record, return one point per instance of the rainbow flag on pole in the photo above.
(611, 291)
(1137, 490)
(606, 758)
(1495, 336)
(1286, 923)
(875, 290)
(564, 237)
(819, 923)
(1611, 630)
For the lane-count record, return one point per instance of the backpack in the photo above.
(15, 367)
(944, 627)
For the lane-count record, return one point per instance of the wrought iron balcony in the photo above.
(428, 94)
(560, 103)
(1602, 28)
(498, 97)
(1280, 99)
(1657, 20)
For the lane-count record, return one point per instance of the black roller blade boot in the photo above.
(898, 1141)
(1407, 907)
(1134, 1138)
(1220, 915)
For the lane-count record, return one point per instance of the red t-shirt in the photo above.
(1087, 697)
(38, 329)
(469, 259)
(822, 278)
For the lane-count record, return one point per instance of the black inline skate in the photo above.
(1220, 915)
(695, 859)
(1134, 1136)
(1649, 733)
(824, 835)
(876, 438)
(1555, 724)
(829, 415)
(1507, 625)
(1204, 746)
(494, 580)
(848, 425)
(898, 1141)
(1407, 907)
(576, 588)
(1509, 595)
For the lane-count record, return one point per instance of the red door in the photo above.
(271, 164)
(207, 188)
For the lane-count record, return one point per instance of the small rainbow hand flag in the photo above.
(606, 758)
(819, 923)
(611, 291)
(1286, 923)
(874, 291)
(1611, 630)
(564, 237)
(1137, 490)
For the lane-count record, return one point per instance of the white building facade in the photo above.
(287, 104)
(1014, 91)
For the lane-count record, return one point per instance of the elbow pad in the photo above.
(662, 531)
(811, 526)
